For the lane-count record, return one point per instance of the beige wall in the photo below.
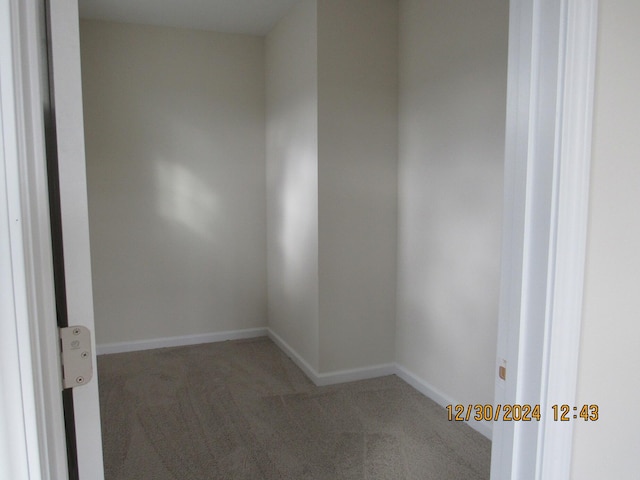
(163, 120)
(357, 170)
(609, 353)
(331, 175)
(292, 179)
(453, 60)
(174, 125)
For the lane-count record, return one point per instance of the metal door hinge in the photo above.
(75, 351)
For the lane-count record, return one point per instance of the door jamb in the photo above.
(29, 279)
(552, 56)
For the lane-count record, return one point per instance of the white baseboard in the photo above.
(355, 374)
(330, 378)
(423, 387)
(342, 376)
(319, 379)
(485, 428)
(308, 370)
(137, 345)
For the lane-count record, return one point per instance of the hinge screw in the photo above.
(80, 380)
(76, 331)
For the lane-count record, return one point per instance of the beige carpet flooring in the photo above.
(243, 410)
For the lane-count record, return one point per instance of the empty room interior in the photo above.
(295, 220)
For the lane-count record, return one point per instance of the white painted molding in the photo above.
(308, 370)
(547, 158)
(331, 378)
(319, 379)
(355, 374)
(375, 371)
(428, 390)
(19, 448)
(423, 387)
(32, 442)
(568, 238)
(139, 345)
(513, 225)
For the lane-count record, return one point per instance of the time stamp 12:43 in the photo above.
(520, 413)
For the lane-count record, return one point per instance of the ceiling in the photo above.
(255, 17)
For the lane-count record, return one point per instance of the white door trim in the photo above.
(568, 243)
(549, 114)
(32, 436)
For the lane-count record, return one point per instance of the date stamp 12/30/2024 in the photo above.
(520, 413)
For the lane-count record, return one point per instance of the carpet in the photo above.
(243, 410)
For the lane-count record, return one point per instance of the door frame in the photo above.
(551, 71)
(35, 445)
(33, 437)
(552, 58)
